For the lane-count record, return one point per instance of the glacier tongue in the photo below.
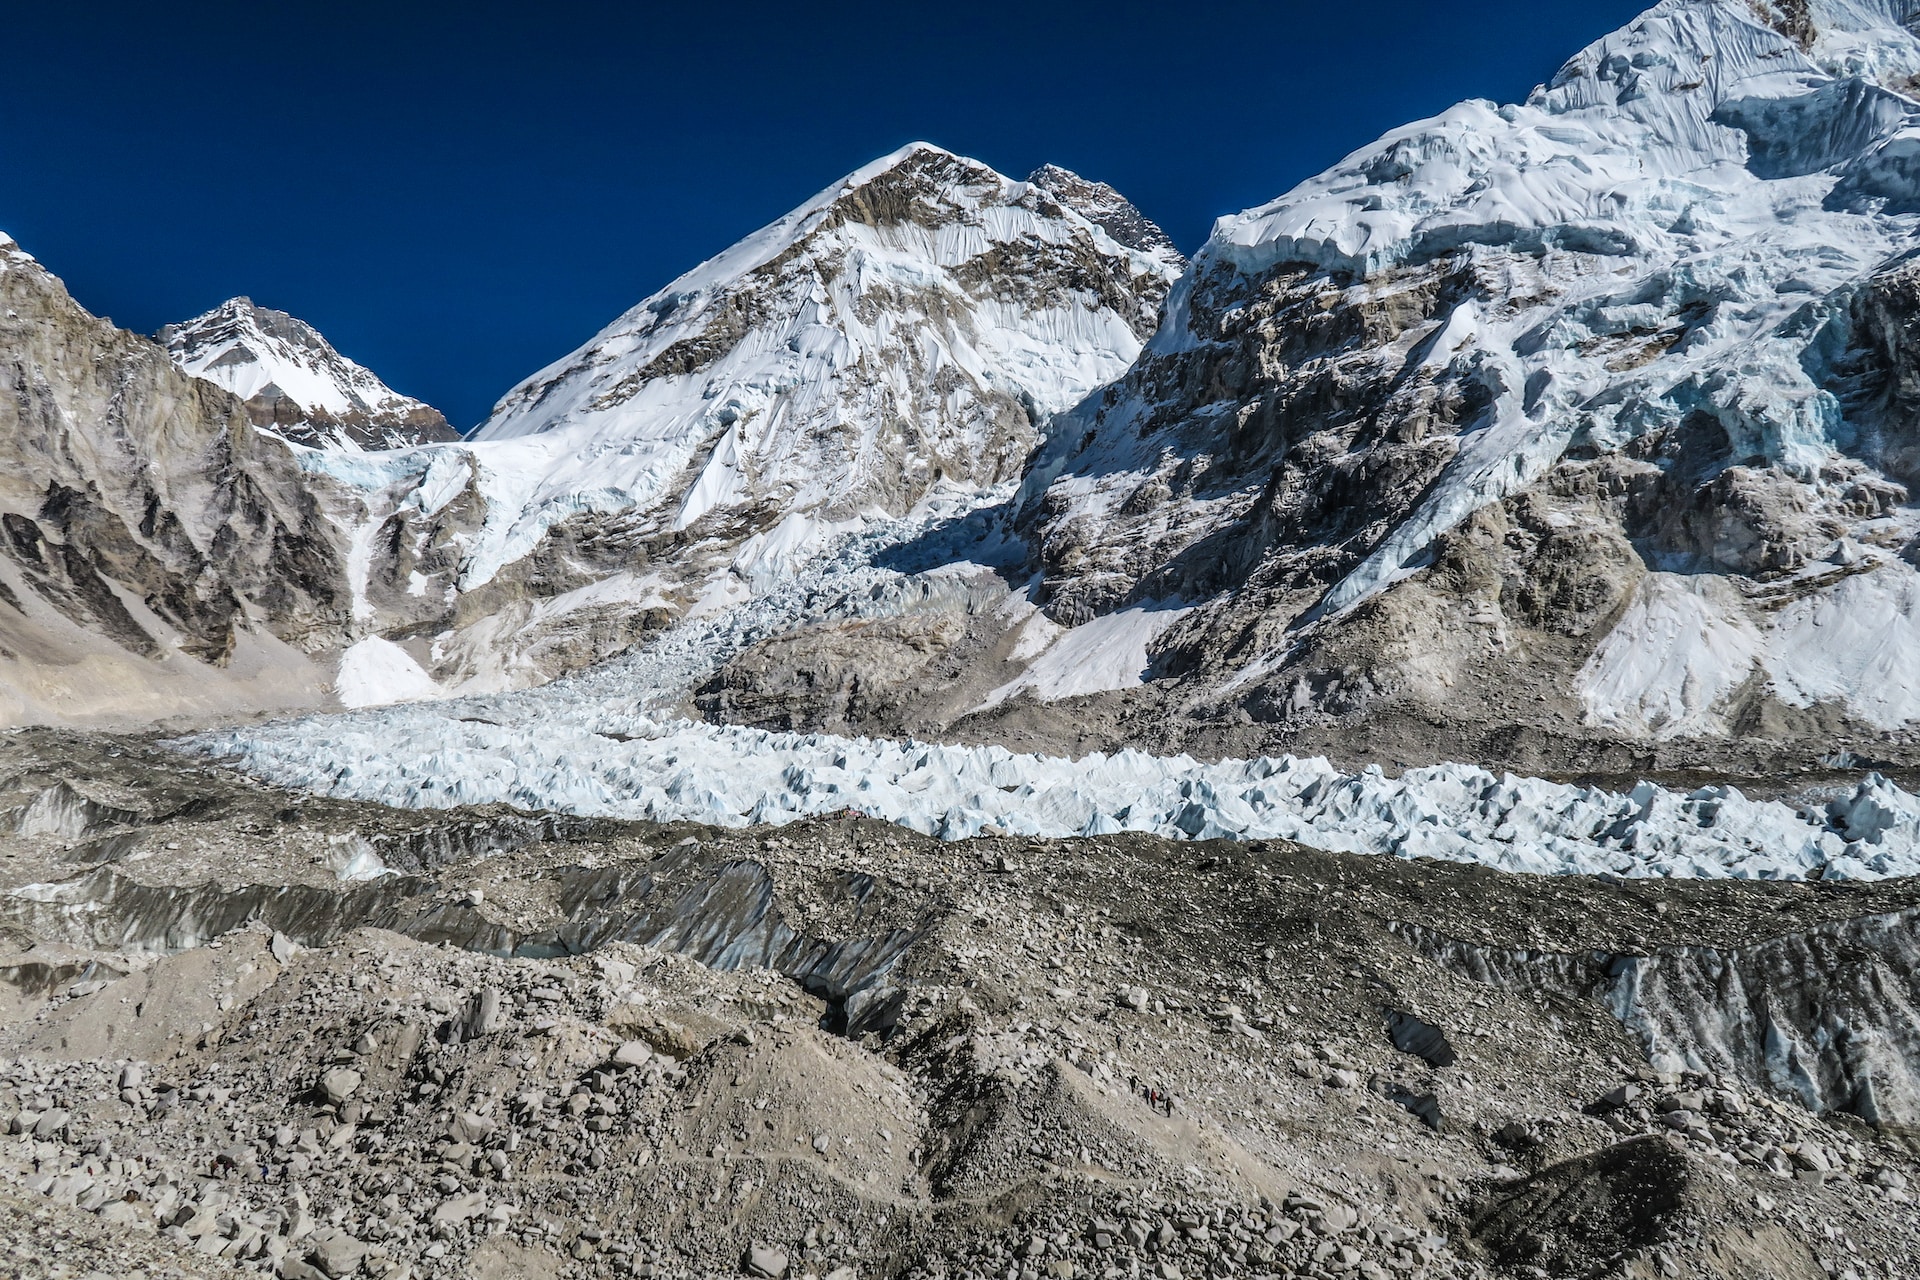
(620, 762)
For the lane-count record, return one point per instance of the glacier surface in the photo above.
(600, 744)
(620, 762)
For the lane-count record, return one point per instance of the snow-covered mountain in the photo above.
(906, 332)
(1587, 417)
(161, 559)
(909, 325)
(295, 384)
(1576, 433)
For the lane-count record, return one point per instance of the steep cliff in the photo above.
(160, 558)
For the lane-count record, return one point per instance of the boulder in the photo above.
(338, 1084)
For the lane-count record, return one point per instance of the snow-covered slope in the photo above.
(903, 334)
(907, 325)
(295, 383)
(1602, 399)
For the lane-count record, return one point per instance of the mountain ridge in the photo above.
(900, 336)
(162, 559)
(295, 384)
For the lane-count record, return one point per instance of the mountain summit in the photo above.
(295, 384)
(906, 333)
(910, 325)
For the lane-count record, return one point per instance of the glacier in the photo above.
(619, 762)
(604, 743)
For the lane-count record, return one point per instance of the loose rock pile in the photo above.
(1004, 1060)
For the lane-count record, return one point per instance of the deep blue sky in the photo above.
(457, 194)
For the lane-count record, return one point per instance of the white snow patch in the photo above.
(1687, 641)
(1857, 643)
(1682, 645)
(1108, 653)
(375, 672)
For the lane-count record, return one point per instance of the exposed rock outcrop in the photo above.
(160, 556)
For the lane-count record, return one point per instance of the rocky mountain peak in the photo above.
(294, 382)
(160, 557)
(908, 326)
(1101, 204)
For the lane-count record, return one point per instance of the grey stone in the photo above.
(338, 1084)
(634, 1053)
(767, 1262)
(335, 1252)
(484, 1015)
(1621, 1096)
(458, 1209)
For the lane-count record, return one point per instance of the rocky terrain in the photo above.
(161, 558)
(295, 384)
(253, 1031)
(684, 889)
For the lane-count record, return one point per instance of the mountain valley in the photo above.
(953, 741)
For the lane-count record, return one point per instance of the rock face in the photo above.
(295, 384)
(160, 557)
(1587, 417)
(904, 334)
